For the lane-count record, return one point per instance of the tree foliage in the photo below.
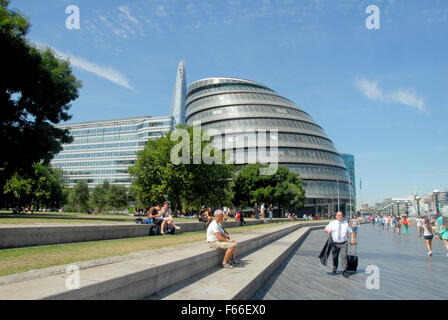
(156, 177)
(117, 197)
(44, 187)
(36, 89)
(98, 197)
(283, 189)
(79, 196)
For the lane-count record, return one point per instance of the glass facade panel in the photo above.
(104, 150)
(303, 146)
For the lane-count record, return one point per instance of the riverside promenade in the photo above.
(405, 270)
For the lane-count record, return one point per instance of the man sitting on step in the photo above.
(217, 238)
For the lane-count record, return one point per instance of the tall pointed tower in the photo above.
(179, 93)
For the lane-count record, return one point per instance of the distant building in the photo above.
(349, 161)
(179, 94)
(228, 108)
(104, 150)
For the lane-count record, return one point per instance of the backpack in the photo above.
(170, 230)
(155, 231)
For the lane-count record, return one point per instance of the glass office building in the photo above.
(303, 146)
(104, 150)
(349, 161)
(179, 93)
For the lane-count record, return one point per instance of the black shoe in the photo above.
(345, 274)
(334, 269)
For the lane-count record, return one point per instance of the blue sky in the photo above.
(381, 95)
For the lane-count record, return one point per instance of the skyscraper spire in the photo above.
(179, 94)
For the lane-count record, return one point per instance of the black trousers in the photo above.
(342, 248)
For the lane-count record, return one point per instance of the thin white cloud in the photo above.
(406, 97)
(161, 11)
(107, 73)
(127, 12)
(370, 89)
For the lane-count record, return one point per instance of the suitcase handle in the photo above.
(350, 248)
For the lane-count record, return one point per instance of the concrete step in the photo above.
(142, 277)
(16, 236)
(241, 282)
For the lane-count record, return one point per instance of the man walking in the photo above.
(340, 230)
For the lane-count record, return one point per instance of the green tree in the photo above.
(44, 187)
(283, 189)
(79, 196)
(98, 197)
(20, 190)
(117, 196)
(156, 177)
(36, 89)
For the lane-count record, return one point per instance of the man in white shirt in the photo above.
(217, 238)
(419, 222)
(340, 230)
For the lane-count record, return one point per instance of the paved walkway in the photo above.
(406, 272)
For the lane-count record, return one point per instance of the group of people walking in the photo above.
(427, 227)
(393, 223)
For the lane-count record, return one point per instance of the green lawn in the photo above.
(24, 259)
(56, 218)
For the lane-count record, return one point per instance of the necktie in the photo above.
(340, 232)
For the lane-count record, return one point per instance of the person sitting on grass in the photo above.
(167, 219)
(217, 238)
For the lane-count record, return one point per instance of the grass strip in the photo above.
(23, 259)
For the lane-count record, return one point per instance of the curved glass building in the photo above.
(303, 146)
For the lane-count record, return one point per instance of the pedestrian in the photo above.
(439, 222)
(263, 212)
(405, 225)
(399, 224)
(443, 231)
(271, 212)
(256, 212)
(239, 217)
(419, 223)
(428, 235)
(355, 225)
(339, 230)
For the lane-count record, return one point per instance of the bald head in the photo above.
(339, 215)
(219, 215)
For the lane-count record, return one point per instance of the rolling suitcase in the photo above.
(352, 260)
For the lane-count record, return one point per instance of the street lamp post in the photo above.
(417, 198)
(436, 199)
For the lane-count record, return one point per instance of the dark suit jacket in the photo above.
(326, 250)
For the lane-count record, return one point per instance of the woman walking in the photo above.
(399, 225)
(443, 231)
(405, 225)
(427, 234)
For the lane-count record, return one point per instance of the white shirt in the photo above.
(339, 230)
(212, 228)
(426, 232)
(419, 222)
